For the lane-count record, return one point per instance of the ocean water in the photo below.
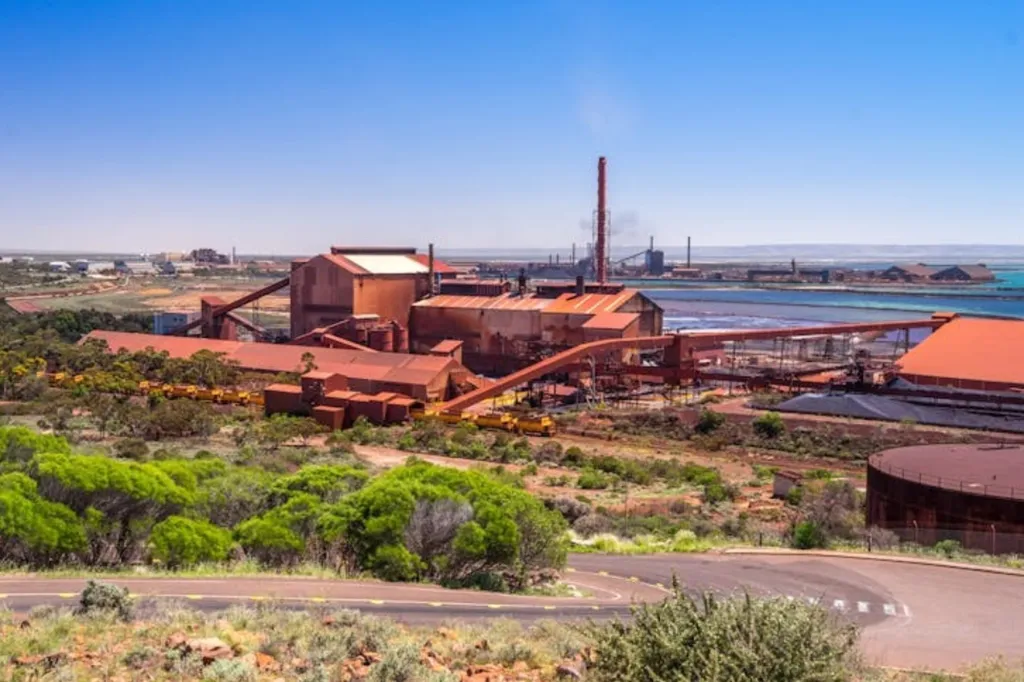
(741, 307)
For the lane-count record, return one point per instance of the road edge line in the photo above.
(861, 556)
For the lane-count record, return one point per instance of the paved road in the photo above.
(911, 615)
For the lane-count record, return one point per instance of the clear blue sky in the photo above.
(287, 126)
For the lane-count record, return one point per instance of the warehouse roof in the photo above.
(613, 321)
(273, 357)
(970, 350)
(377, 264)
(975, 272)
(440, 267)
(915, 269)
(571, 304)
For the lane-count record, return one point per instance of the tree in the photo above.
(282, 428)
(327, 482)
(769, 425)
(709, 422)
(178, 541)
(32, 529)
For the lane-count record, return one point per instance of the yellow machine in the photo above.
(496, 420)
(456, 417)
(536, 426)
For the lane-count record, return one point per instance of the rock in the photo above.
(25, 625)
(209, 649)
(567, 671)
(447, 633)
(482, 645)
(520, 667)
(27, 660)
(176, 640)
(266, 663)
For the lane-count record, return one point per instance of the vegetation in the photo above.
(739, 639)
(111, 636)
(416, 522)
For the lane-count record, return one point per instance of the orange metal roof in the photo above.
(615, 321)
(447, 346)
(970, 349)
(590, 304)
(587, 304)
(399, 368)
(504, 302)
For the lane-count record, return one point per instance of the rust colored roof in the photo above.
(976, 272)
(23, 306)
(503, 302)
(590, 304)
(970, 349)
(398, 368)
(976, 466)
(440, 267)
(447, 346)
(615, 321)
(284, 388)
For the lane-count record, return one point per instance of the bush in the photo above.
(809, 535)
(708, 422)
(99, 597)
(740, 639)
(948, 548)
(592, 479)
(131, 448)
(769, 425)
(570, 509)
(178, 541)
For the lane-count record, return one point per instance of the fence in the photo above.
(952, 483)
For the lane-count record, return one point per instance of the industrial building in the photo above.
(424, 377)
(914, 272)
(968, 353)
(356, 281)
(973, 494)
(504, 332)
(965, 273)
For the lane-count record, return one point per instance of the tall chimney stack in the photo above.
(600, 257)
(431, 287)
(687, 252)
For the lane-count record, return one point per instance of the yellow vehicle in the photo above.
(456, 417)
(58, 378)
(254, 398)
(181, 391)
(208, 394)
(536, 426)
(496, 420)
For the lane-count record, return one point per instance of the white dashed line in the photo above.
(839, 605)
(863, 607)
(890, 609)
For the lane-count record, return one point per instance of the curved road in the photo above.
(912, 615)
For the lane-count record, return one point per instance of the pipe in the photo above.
(430, 269)
(600, 257)
(580, 286)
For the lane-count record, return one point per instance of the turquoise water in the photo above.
(739, 306)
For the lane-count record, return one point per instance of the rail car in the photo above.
(542, 425)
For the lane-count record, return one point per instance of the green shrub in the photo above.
(740, 639)
(948, 548)
(769, 425)
(178, 541)
(100, 597)
(593, 480)
(809, 535)
(708, 422)
(131, 448)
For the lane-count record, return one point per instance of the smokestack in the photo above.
(580, 286)
(522, 281)
(430, 269)
(574, 253)
(652, 243)
(600, 257)
(687, 253)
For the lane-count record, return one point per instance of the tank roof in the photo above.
(995, 470)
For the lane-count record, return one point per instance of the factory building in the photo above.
(334, 286)
(965, 273)
(422, 377)
(507, 331)
(968, 353)
(914, 272)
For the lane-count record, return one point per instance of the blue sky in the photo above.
(287, 126)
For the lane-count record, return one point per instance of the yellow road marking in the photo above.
(436, 603)
(494, 606)
(318, 600)
(549, 608)
(570, 570)
(659, 585)
(595, 608)
(604, 573)
(378, 602)
(634, 579)
(3, 596)
(258, 597)
(67, 595)
(194, 597)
